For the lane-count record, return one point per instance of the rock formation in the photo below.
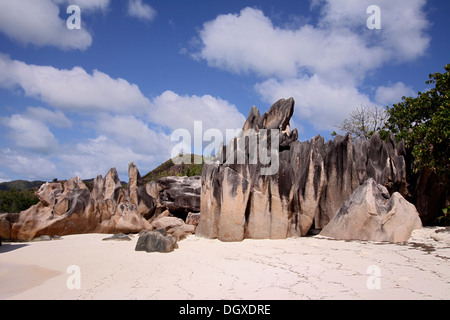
(239, 200)
(179, 195)
(73, 209)
(372, 214)
(156, 241)
(108, 208)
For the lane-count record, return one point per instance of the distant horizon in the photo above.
(86, 90)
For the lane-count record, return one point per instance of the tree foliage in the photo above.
(13, 201)
(363, 122)
(424, 123)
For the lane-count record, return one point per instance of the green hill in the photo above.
(20, 185)
(169, 168)
(19, 195)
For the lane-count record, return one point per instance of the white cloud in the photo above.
(4, 177)
(53, 118)
(339, 44)
(74, 89)
(89, 5)
(393, 94)
(323, 65)
(28, 166)
(30, 130)
(175, 111)
(30, 134)
(140, 10)
(248, 41)
(316, 101)
(38, 23)
(127, 125)
(403, 24)
(96, 156)
(134, 133)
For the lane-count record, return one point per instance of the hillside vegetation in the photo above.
(169, 168)
(13, 200)
(19, 195)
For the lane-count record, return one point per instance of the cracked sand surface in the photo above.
(296, 268)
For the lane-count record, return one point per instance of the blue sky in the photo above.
(78, 102)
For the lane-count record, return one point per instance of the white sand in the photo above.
(301, 268)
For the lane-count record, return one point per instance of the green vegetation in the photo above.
(19, 195)
(169, 168)
(13, 200)
(20, 185)
(363, 122)
(424, 123)
(445, 218)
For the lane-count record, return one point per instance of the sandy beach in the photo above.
(85, 267)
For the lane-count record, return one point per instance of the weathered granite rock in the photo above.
(312, 181)
(167, 223)
(372, 214)
(49, 192)
(6, 221)
(154, 241)
(117, 237)
(179, 235)
(193, 218)
(430, 193)
(442, 235)
(173, 226)
(179, 195)
(73, 209)
(139, 197)
(43, 238)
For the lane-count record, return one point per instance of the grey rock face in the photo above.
(180, 194)
(154, 241)
(313, 179)
(117, 237)
(137, 192)
(73, 209)
(372, 214)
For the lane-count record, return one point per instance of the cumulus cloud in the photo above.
(38, 23)
(94, 156)
(393, 94)
(135, 133)
(54, 118)
(119, 139)
(316, 101)
(28, 165)
(403, 24)
(174, 111)
(74, 89)
(4, 177)
(89, 5)
(140, 10)
(323, 65)
(30, 130)
(31, 134)
(127, 126)
(249, 41)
